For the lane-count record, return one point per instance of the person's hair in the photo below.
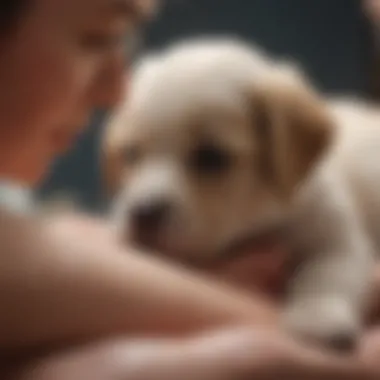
(10, 13)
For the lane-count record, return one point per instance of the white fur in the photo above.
(335, 220)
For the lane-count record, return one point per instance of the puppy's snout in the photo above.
(149, 217)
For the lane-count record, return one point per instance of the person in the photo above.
(75, 304)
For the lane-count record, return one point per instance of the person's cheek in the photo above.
(55, 90)
(69, 100)
(112, 82)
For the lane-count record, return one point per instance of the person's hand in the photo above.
(223, 355)
(264, 268)
(369, 349)
(212, 356)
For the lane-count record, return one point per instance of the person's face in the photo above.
(65, 58)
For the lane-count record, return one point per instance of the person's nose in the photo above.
(112, 82)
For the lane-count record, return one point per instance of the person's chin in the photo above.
(62, 141)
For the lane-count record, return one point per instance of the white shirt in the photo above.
(16, 197)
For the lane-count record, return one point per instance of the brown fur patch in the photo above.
(293, 130)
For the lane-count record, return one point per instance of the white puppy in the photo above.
(218, 144)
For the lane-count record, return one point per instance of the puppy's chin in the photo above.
(158, 245)
(170, 249)
(202, 258)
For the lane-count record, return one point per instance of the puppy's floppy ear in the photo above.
(292, 129)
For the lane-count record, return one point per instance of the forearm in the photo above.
(224, 355)
(53, 292)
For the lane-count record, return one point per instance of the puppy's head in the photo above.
(210, 147)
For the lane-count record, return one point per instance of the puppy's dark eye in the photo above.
(209, 159)
(131, 154)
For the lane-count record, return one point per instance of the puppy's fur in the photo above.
(235, 143)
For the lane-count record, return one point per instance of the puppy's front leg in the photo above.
(326, 299)
(328, 295)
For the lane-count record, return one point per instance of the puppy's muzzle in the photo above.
(148, 220)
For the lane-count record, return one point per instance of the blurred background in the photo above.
(334, 40)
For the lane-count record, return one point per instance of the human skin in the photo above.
(372, 10)
(221, 354)
(64, 59)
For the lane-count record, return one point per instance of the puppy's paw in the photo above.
(328, 321)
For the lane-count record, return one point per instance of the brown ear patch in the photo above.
(293, 130)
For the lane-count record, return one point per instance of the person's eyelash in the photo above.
(130, 43)
(101, 41)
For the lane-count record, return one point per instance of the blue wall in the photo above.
(328, 37)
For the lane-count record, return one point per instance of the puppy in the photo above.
(218, 144)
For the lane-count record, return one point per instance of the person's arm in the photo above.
(53, 291)
(230, 354)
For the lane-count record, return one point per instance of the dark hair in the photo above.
(10, 13)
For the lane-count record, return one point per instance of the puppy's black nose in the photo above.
(344, 343)
(149, 217)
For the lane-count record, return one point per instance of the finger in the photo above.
(369, 348)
